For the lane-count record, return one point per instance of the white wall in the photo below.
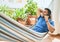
(13, 3)
(43, 3)
(56, 12)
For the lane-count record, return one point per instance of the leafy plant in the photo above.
(31, 7)
(3, 8)
(6, 10)
(16, 13)
(20, 13)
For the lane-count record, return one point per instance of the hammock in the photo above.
(13, 31)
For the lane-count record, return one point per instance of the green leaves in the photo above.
(31, 7)
(3, 8)
(6, 10)
(20, 13)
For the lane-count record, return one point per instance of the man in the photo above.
(44, 23)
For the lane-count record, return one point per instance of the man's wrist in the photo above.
(47, 21)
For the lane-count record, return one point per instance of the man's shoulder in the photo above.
(40, 17)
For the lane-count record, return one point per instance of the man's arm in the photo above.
(38, 13)
(50, 27)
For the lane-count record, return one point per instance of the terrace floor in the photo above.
(52, 38)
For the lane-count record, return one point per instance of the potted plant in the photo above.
(17, 14)
(31, 7)
(20, 16)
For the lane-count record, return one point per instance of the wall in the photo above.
(56, 12)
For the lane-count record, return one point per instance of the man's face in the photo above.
(45, 12)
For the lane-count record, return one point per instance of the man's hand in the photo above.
(46, 18)
(50, 27)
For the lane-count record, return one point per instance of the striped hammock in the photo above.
(11, 30)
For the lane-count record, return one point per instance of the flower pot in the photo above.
(31, 20)
(21, 21)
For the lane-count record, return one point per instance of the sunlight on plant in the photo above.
(22, 13)
(31, 7)
(6, 10)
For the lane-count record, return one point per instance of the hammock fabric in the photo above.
(11, 30)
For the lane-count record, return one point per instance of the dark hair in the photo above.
(49, 12)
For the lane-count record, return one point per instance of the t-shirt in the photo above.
(41, 25)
